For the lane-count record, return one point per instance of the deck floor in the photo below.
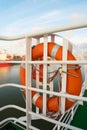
(80, 118)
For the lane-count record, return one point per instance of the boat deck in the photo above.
(65, 120)
(80, 118)
(11, 126)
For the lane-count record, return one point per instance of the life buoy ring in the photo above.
(74, 83)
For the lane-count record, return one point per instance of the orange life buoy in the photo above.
(74, 83)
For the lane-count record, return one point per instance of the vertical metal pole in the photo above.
(45, 73)
(37, 77)
(28, 81)
(51, 65)
(52, 38)
(69, 46)
(64, 76)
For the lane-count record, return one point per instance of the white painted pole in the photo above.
(37, 77)
(52, 67)
(28, 81)
(45, 73)
(46, 31)
(64, 75)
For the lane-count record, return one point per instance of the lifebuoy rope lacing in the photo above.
(73, 78)
(58, 71)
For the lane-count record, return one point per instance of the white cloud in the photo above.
(76, 37)
(14, 47)
(77, 16)
(37, 28)
(50, 14)
(40, 21)
(28, 24)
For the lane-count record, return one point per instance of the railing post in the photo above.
(52, 66)
(37, 77)
(28, 81)
(52, 38)
(45, 73)
(64, 75)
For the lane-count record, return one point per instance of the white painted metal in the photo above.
(64, 76)
(46, 31)
(82, 62)
(52, 38)
(50, 84)
(12, 106)
(51, 92)
(13, 85)
(45, 50)
(29, 63)
(28, 80)
(12, 119)
(54, 121)
(65, 95)
(37, 77)
(51, 66)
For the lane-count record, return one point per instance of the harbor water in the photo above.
(14, 96)
(10, 95)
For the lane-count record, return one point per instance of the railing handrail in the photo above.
(79, 98)
(46, 31)
(13, 106)
(12, 119)
(37, 35)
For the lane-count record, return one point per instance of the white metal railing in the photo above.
(46, 31)
(29, 62)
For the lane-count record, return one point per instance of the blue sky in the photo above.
(21, 16)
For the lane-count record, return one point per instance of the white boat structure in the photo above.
(63, 121)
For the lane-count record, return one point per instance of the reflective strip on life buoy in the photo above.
(74, 83)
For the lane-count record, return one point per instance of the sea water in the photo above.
(10, 95)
